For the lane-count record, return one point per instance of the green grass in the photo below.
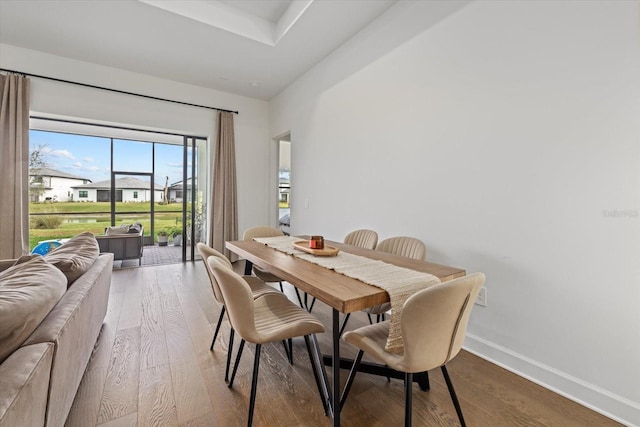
(166, 216)
(86, 207)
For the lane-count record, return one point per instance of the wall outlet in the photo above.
(482, 297)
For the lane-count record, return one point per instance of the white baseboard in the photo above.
(593, 397)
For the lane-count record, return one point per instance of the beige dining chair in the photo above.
(367, 239)
(267, 231)
(433, 324)
(270, 318)
(409, 247)
(257, 286)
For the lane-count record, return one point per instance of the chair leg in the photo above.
(215, 334)
(352, 376)
(288, 349)
(254, 384)
(344, 323)
(408, 383)
(229, 351)
(308, 307)
(281, 288)
(299, 299)
(235, 367)
(315, 369)
(370, 320)
(452, 392)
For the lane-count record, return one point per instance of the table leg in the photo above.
(335, 398)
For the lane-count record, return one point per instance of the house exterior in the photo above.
(46, 184)
(127, 190)
(176, 191)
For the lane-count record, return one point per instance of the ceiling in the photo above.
(254, 48)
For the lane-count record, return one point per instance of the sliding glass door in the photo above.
(157, 179)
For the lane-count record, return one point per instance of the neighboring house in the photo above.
(176, 191)
(48, 184)
(127, 190)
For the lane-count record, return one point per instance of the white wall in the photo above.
(58, 99)
(507, 138)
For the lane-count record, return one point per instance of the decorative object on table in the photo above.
(316, 242)
(305, 245)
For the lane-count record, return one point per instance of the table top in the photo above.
(343, 293)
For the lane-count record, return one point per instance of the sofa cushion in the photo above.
(28, 292)
(75, 256)
(117, 229)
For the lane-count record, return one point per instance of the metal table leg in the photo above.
(335, 398)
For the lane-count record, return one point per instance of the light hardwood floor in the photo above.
(152, 367)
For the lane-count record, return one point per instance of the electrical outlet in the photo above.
(482, 297)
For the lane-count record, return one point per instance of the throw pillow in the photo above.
(25, 258)
(135, 228)
(75, 256)
(28, 292)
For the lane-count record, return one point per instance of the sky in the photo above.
(89, 156)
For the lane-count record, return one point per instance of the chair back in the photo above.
(409, 247)
(261, 231)
(238, 298)
(367, 239)
(434, 322)
(206, 252)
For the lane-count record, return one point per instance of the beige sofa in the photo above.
(39, 379)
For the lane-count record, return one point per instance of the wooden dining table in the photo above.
(342, 293)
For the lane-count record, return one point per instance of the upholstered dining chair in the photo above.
(367, 239)
(266, 231)
(433, 325)
(409, 247)
(267, 319)
(257, 286)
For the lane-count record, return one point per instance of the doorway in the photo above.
(284, 183)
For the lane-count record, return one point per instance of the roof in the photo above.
(121, 184)
(55, 173)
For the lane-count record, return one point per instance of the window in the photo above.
(135, 194)
(83, 194)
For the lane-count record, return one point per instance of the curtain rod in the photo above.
(117, 91)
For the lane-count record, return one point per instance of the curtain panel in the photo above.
(224, 221)
(14, 166)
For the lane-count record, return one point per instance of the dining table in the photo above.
(342, 293)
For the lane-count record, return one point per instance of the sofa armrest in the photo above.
(24, 384)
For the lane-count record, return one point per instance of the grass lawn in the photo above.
(78, 218)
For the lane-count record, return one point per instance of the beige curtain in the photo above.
(14, 166)
(224, 222)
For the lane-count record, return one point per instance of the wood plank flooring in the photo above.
(152, 367)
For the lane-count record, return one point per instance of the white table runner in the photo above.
(399, 282)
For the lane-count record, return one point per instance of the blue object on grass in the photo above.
(45, 246)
